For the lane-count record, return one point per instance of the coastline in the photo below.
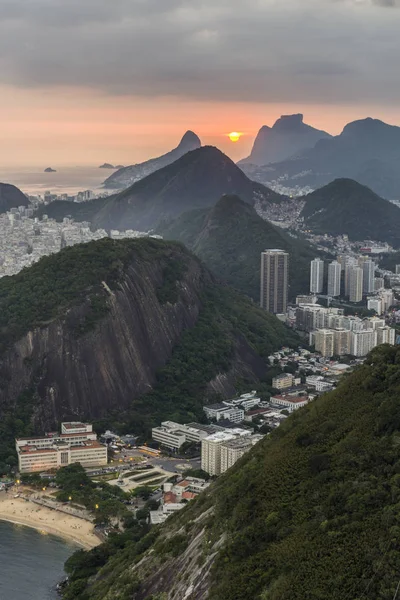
(70, 528)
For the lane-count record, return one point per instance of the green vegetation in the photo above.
(229, 239)
(312, 512)
(15, 422)
(228, 324)
(105, 501)
(347, 207)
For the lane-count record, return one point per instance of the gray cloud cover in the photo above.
(250, 50)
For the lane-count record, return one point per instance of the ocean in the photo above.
(31, 563)
(67, 180)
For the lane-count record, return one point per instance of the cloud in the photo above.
(245, 50)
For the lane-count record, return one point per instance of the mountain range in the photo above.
(288, 136)
(347, 207)
(367, 151)
(126, 176)
(11, 197)
(229, 239)
(196, 180)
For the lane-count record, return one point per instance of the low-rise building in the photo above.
(78, 444)
(174, 435)
(290, 403)
(224, 410)
(285, 380)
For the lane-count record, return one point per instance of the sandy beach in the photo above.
(23, 512)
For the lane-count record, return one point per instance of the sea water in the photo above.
(31, 563)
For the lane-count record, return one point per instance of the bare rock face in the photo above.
(104, 370)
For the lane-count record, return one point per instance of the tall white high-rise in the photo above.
(334, 272)
(356, 284)
(350, 264)
(317, 276)
(368, 276)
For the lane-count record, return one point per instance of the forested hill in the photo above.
(230, 237)
(312, 512)
(347, 207)
(11, 197)
(111, 330)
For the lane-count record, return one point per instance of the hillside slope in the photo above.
(112, 330)
(127, 176)
(288, 136)
(345, 206)
(311, 512)
(196, 180)
(11, 197)
(229, 239)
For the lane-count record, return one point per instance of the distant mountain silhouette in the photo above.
(287, 137)
(367, 150)
(11, 197)
(347, 207)
(196, 180)
(126, 176)
(229, 239)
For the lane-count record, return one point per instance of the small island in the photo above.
(106, 166)
(50, 170)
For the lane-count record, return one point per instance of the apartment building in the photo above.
(211, 449)
(283, 381)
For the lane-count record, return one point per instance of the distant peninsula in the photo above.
(50, 170)
(106, 166)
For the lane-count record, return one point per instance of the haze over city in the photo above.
(153, 69)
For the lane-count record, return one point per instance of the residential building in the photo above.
(232, 450)
(387, 298)
(211, 449)
(368, 268)
(224, 410)
(317, 276)
(290, 403)
(247, 401)
(379, 283)
(306, 299)
(350, 263)
(386, 335)
(285, 380)
(341, 342)
(334, 274)
(274, 280)
(77, 445)
(375, 304)
(356, 284)
(363, 342)
(324, 342)
(397, 269)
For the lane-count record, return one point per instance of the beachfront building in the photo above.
(77, 443)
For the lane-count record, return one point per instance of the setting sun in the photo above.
(234, 136)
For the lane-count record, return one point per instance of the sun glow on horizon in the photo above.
(235, 136)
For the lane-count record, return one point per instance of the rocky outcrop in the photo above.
(126, 176)
(91, 375)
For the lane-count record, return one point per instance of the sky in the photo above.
(84, 82)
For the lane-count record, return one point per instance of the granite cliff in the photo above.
(89, 329)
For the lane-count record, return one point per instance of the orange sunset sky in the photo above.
(82, 127)
(88, 81)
